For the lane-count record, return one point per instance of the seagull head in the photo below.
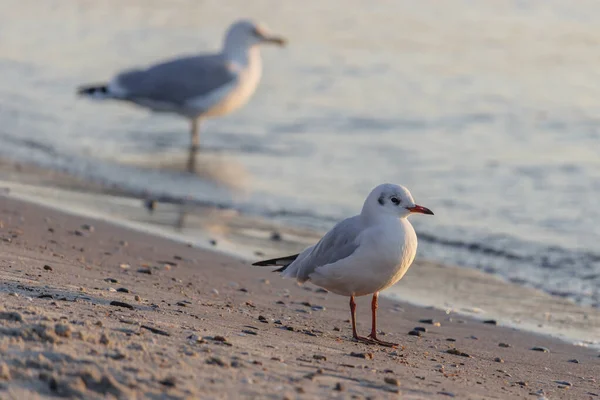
(392, 200)
(246, 34)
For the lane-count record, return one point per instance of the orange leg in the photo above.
(373, 334)
(361, 339)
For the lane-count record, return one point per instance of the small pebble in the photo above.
(490, 322)
(263, 319)
(574, 361)
(137, 298)
(123, 290)
(366, 356)
(449, 394)
(168, 381)
(104, 339)
(564, 383)
(541, 349)
(249, 332)
(506, 345)
(155, 330)
(89, 228)
(276, 237)
(63, 330)
(450, 340)
(415, 333)
(121, 304)
(391, 381)
(124, 266)
(320, 357)
(339, 387)
(457, 352)
(420, 329)
(499, 360)
(117, 355)
(11, 316)
(147, 271)
(47, 268)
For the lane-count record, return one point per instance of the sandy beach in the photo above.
(92, 310)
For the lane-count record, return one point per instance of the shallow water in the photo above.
(486, 110)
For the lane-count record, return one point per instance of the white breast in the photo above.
(383, 257)
(237, 94)
(396, 249)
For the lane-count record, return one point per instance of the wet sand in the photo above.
(93, 310)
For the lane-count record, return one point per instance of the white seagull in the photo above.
(196, 87)
(363, 254)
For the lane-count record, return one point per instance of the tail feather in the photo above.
(282, 262)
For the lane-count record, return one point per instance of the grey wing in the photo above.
(340, 242)
(177, 81)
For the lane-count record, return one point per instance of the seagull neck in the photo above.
(242, 55)
(370, 217)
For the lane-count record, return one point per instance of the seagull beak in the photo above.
(278, 40)
(267, 38)
(419, 209)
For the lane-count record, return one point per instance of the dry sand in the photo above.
(92, 310)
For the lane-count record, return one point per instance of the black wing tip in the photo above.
(276, 262)
(92, 89)
(265, 263)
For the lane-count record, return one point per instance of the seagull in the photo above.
(363, 254)
(195, 87)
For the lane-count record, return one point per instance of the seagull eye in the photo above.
(395, 200)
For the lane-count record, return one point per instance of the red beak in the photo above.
(420, 209)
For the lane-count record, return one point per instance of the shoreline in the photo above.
(280, 339)
(466, 291)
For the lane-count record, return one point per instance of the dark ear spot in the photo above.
(381, 199)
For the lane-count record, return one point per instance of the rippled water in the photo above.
(486, 110)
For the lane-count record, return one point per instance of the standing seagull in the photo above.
(206, 85)
(363, 254)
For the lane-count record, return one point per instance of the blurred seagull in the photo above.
(196, 87)
(363, 254)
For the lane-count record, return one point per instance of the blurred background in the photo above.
(486, 110)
